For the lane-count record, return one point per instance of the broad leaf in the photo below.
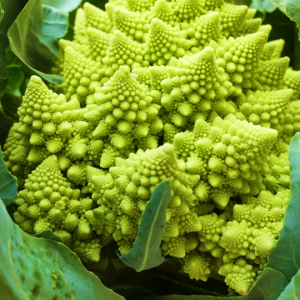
(37, 268)
(8, 183)
(146, 253)
(34, 34)
(286, 255)
(264, 6)
(292, 291)
(66, 5)
(291, 8)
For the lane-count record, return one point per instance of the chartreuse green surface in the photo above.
(146, 253)
(38, 268)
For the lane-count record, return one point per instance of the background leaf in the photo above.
(8, 183)
(66, 5)
(41, 269)
(286, 255)
(9, 11)
(292, 291)
(291, 8)
(146, 253)
(34, 34)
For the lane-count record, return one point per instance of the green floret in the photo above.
(238, 275)
(48, 202)
(267, 109)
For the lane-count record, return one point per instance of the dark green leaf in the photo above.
(34, 34)
(8, 183)
(15, 74)
(9, 11)
(269, 286)
(1, 13)
(162, 280)
(41, 269)
(292, 291)
(286, 255)
(146, 253)
(5, 124)
(49, 235)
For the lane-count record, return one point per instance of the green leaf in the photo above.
(34, 34)
(42, 269)
(286, 255)
(291, 8)
(292, 291)
(16, 76)
(66, 5)
(264, 6)
(9, 9)
(146, 253)
(8, 183)
(49, 235)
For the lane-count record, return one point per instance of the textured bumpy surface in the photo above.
(187, 90)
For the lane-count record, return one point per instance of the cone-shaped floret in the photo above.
(191, 94)
(138, 5)
(239, 275)
(142, 75)
(211, 232)
(162, 10)
(272, 50)
(196, 265)
(213, 4)
(264, 108)
(79, 27)
(80, 74)
(291, 80)
(132, 24)
(125, 112)
(45, 122)
(265, 29)
(232, 18)
(236, 237)
(97, 18)
(250, 26)
(240, 58)
(270, 73)
(204, 30)
(123, 51)
(99, 41)
(164, 42)
(58, 67)
(157, 75)
(230, 150)
(188, 10)
(46, 197)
